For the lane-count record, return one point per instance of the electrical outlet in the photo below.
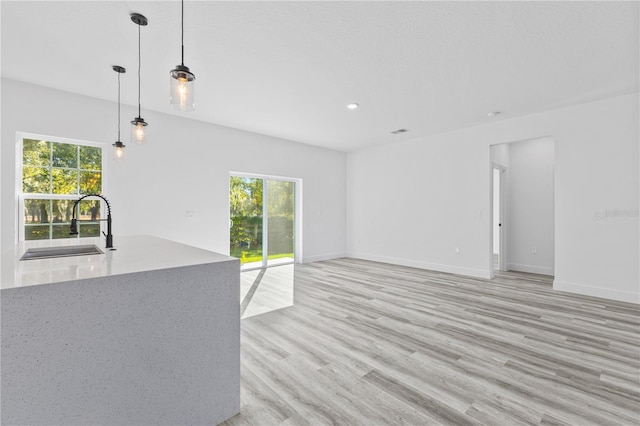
(457, 250)
(188, 213)
(534, 251)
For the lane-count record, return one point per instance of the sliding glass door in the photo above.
(263, 221)
(245, 199)
(280, 221)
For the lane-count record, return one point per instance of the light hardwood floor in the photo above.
(374, 344)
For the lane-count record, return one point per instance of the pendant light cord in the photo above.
(139, 61)
(182, 39)
(118, 106)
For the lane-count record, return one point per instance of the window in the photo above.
(52, 174)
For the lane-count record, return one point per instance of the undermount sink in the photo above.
(64, 251)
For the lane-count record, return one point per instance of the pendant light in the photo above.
(139, 128)
(118, 146)
(182, 81)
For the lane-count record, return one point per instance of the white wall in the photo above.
(185, 166)
(530, 201)
(415, 202)
(500, 154)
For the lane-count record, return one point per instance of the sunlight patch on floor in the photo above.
(265, 290)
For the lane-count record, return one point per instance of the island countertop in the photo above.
(146, 334)
(133, 254)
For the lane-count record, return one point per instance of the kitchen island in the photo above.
(146, 334)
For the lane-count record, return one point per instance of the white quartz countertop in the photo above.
(133, 254)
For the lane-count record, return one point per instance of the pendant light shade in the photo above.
(182, 87)
(118, 150)
(139, 127)
(118, 146)
(139, 130)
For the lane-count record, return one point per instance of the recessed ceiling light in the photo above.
(494, 114)
(397, 132)
(353, 105)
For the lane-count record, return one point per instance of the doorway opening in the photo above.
(499, 252)
(522, 236)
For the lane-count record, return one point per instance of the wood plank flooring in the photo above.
(374, 344)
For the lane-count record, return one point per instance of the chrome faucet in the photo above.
(73, 229)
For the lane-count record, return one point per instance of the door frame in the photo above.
(502, 218)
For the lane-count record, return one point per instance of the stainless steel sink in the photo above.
(63, 251)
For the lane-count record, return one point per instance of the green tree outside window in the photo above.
(64, 171)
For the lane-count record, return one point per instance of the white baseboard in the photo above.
(622, 296)
(321, 257)
(543, 270)
(461, 270)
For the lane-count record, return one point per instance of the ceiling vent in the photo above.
(397, 132)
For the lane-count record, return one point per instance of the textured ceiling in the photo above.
(288, 69)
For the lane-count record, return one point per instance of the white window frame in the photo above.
(297, 241)
(20, 196)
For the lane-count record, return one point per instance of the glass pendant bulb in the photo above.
(182, 88)
(139, 130)
(118, 150)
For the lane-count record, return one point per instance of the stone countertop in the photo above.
(133, 254)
